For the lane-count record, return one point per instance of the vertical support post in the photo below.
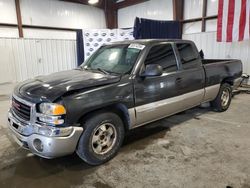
(111, 14)
(19, 18)
(178, 11)
(204, 14)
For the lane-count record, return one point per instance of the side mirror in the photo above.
(152, 70)
(201, 54)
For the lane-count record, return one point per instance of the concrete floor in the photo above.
(197, 148)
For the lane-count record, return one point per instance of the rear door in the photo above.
(192, 78)
(155, 96)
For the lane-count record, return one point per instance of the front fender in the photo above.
(81, 103)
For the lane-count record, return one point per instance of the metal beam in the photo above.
(19, 18)
(8, 25)
(199, 19)
(127, 3)
(178, 9)
(39, 27)
(110, 14)
(49, 28)
(85, 2)
(204, 14)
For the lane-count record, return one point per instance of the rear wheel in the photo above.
(102, 137)
(223, 100)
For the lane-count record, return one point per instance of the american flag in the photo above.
(233, 20)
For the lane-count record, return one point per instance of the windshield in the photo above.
(118, 59)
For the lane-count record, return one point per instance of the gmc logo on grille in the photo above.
(17, 106)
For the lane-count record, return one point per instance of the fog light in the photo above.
(54, 131)
(46, 131)
(38, 145)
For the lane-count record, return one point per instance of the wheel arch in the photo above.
(118, 108)
(228, 80)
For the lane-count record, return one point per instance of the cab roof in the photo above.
(149, 41)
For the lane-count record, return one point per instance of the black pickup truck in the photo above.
(120, 87)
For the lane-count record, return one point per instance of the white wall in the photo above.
(193, 9)
(51, 13)
(22, 59)
(42, 51)
(212, 49)
(8, 11)
(49, 34)
(207, 40)
(56, 13)
(153, 9)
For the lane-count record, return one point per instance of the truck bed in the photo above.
(217, 70)
(211, 61)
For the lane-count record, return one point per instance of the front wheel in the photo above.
(223, 100)
(101, 139)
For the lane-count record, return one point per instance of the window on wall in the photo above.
(164, 56)
(200, 16)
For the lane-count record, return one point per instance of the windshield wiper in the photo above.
(103, 71)
(98, 69)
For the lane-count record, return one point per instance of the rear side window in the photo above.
(162, 55)
(188, 55)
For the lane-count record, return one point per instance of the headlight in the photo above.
(52, 109)
(55, 120)
(51, 113)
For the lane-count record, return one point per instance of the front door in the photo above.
(157, 97)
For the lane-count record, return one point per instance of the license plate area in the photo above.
(16, 138)
(17, 127)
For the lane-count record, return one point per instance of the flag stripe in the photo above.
(219, 22)
(246, 31)
(233, 20)
(237, 14)
(230, 20)
(248, 23)
(242, 23)
(224, 20)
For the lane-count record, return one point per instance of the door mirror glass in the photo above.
(152, 70)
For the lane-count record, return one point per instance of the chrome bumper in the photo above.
(52, 147)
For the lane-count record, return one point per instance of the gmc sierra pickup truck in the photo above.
(120, 87)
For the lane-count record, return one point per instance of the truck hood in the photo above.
(53, 86)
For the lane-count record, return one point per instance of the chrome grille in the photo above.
(23, 111)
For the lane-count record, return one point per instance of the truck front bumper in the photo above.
(43, 146)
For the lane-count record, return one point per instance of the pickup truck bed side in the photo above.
(229, 70)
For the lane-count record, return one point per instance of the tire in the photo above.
(101, 139)
(223, 100)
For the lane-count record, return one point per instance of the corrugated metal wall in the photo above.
(153, 9)
(25, 58)
(57, 13)
(42, 51)
(53, 13)
(212, 49)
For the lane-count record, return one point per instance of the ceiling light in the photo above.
(93, 1)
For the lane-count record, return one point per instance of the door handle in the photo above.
(178, 80)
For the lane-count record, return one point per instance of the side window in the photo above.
(189, 57)
(163, 55)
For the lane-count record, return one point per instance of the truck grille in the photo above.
(21, 110)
